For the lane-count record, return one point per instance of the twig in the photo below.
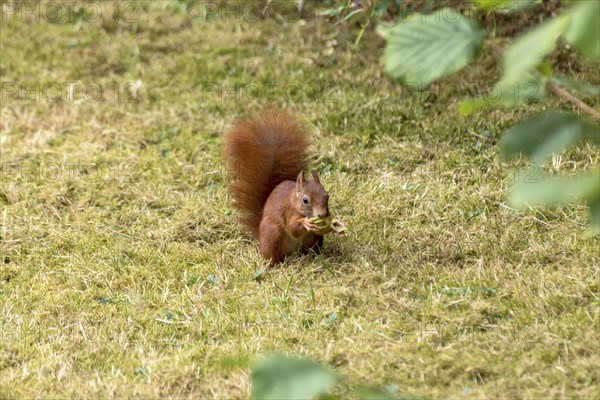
(560, 92)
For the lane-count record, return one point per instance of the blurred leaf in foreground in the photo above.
(546, 134)
(427, 47)
(558, 191)
(279, 377)
(584, 29)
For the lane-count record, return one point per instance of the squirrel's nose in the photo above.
(322, 214)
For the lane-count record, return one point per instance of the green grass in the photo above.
(128, 275)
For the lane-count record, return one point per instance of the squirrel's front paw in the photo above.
(309, 226)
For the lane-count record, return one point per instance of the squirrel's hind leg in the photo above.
(271, 245)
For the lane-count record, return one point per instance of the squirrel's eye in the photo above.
(305, 200)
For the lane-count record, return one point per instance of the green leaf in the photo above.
(546, 134)
(584, 88)
(584, 29)
(545, 69)
(467, 107)
(494, 5)
(490, 4)
(557, 191)
(524, 56)
(527, 52)
(279, 377)
(427, 47)
(580, 27)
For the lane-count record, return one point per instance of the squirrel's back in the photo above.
(262, 151)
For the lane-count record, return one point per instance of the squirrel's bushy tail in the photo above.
(262, 151)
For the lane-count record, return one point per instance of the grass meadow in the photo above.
(123, 270)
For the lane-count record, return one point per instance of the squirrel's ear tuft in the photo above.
(300, 181)
(315, 177)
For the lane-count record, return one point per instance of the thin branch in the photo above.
(560, 92)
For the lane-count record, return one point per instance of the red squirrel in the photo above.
(268, 154)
